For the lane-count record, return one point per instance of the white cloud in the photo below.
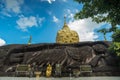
(49, 12)
(76, 10)
(40, 20)
(64, 0)
(70, 14)
(2, 42)
(85, 28)
(25, 37)
(55, 19)
(25, 22)
(6, 14)
(14, 5)
(49, 1)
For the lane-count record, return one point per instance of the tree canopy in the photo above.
(100, 11)
(115, 46)
(116, 36)
(103, 11)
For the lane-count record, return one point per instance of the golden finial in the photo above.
(30, 39)
(64, 20)
(65, 24)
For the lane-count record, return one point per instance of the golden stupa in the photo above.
(65, 35)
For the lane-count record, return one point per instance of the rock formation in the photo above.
(95, 54)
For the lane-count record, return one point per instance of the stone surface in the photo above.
(71, 56)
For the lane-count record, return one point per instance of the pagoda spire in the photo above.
(30, 40)
(65, 35)
(64, 20)
(65, 26)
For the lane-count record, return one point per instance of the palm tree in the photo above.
(104, 31)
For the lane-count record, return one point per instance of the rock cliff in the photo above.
(71, 56)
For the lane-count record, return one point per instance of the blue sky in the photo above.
(42, 19)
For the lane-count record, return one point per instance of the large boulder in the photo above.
(100, 48)
(95, 54)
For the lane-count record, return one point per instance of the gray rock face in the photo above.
(68, 55)
(100, 48)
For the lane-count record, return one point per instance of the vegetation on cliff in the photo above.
(100, 11)
(103, 11)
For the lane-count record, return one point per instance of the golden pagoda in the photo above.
(65, 35)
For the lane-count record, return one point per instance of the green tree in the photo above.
(115, 46)
(100, 11)
(116, 36)
(103, 11)
(104, 31)
(113, 29)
